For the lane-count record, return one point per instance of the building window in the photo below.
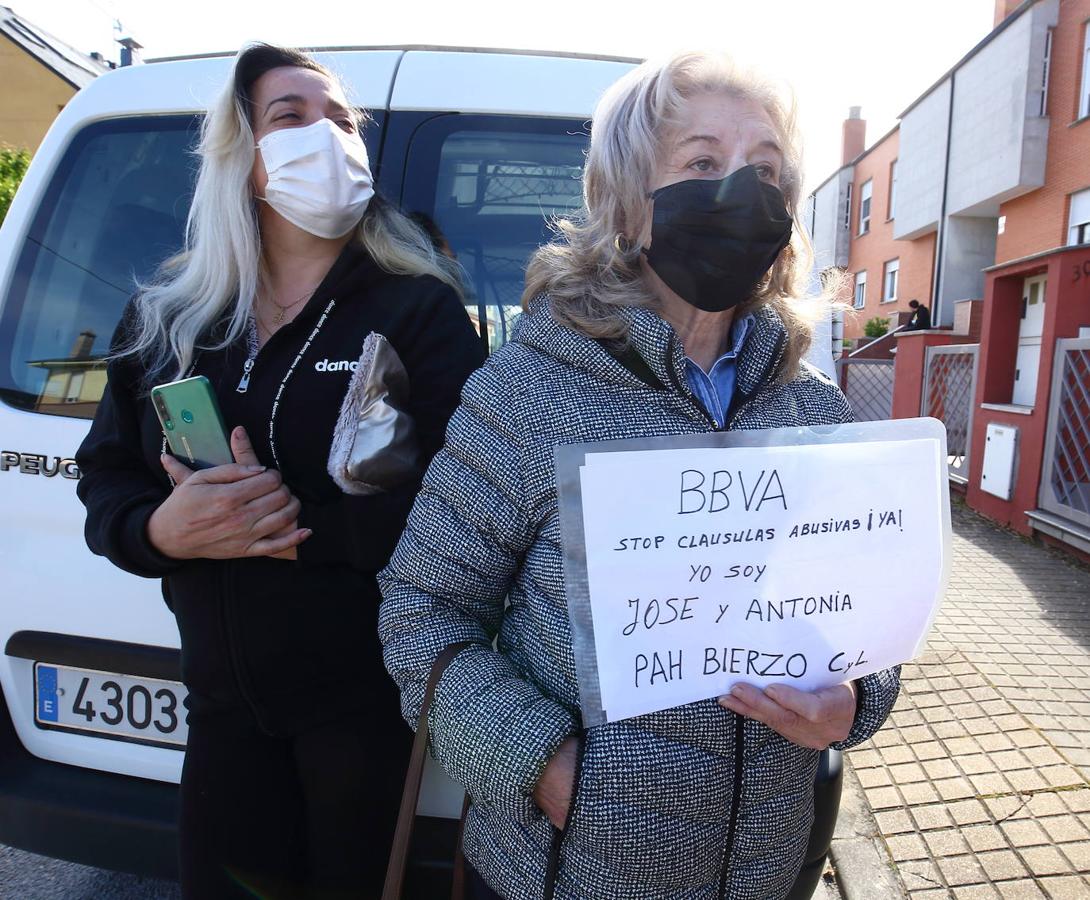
(892, 190)
(860, 289)
(889, 280)
(1078, 220)
(848, 208)
(1084, 94)
(864, 206)
(1045, 73)
(75, 388)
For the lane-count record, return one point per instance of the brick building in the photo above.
(974, 140)
(852, 216)
(990, 220)
(885, 273)
(1031, 426)
(1050, 216)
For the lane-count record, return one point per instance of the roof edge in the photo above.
(16, 24)
(41, 62)
(830, 178)
(220, 54)
(1034, 257)
(980, 45)
(878, 143)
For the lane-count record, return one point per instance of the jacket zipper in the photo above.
(230, 638)
(740, 400)
(252, 350)
(738, 403)
(247, 367)
(230, 632)
(694, 404)
(732, 825)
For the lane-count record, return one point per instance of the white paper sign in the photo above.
(808, 562)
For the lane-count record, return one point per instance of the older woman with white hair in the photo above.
(670, 307)
(296, 750)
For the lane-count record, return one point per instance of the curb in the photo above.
(864, 869)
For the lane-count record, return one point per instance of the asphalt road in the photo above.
(26, 876)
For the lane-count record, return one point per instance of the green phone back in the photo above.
(192, 422)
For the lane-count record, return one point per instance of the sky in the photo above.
(834, 54)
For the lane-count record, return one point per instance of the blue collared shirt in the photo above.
(714, 389)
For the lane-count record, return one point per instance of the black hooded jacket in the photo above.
(293, 642)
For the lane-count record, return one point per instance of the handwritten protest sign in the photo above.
(806, 556)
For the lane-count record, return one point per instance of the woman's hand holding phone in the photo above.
(226, 512)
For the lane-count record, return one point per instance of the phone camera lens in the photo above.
(169, 424)
(187, 416)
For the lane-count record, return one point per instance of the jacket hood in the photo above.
(655, 340)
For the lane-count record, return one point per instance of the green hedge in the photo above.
(876, 327)
(13, 166)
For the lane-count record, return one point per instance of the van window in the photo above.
(490, 184)
(114, 210)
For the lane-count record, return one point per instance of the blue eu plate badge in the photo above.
(47, 694)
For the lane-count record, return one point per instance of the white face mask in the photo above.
(319, 177)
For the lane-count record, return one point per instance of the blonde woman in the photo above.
(296, 750)
(668, 308)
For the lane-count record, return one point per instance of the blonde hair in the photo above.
(216, 275)
(588, 273)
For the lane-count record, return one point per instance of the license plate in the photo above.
(121, 707)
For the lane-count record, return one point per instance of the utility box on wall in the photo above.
(1000, 452)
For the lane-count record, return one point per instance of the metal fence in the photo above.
(868, 385)
(949, 384)
(1065, 480)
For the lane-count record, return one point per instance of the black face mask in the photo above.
(713, 241)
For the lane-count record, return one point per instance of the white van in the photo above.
(486, 144)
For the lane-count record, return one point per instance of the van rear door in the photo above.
(114, 208)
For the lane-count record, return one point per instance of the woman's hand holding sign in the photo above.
(812, 719)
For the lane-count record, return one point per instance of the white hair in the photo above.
(215, 277)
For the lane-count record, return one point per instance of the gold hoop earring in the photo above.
(621, 244)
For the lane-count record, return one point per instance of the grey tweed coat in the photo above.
(689, 803)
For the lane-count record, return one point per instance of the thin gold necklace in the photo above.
(278, 319)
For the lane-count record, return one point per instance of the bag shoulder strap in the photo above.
(630, 358)
(403, 834)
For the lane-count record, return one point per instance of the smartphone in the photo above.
(192, 422)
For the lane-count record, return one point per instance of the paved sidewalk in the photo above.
(980, 781)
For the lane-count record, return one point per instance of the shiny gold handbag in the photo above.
(374, 443)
